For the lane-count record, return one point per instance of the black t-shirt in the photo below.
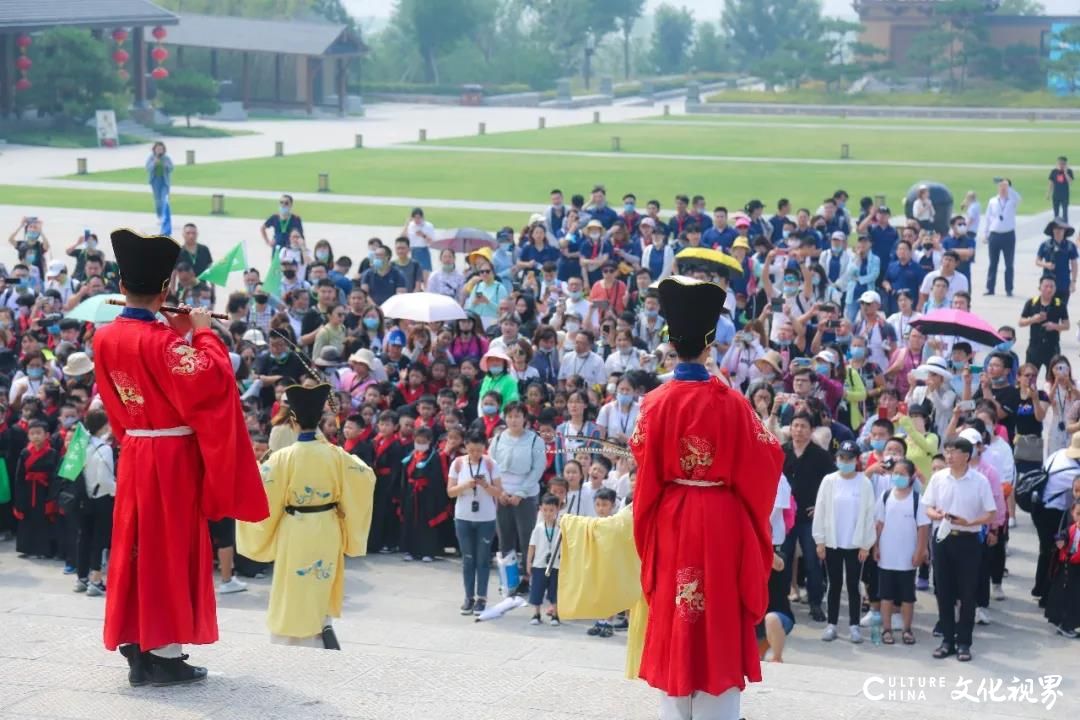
(288, 367)
(313, 320)
(1008, 397)
(805, 472)
(199, 261)
(1026, 424)
(1056, 312)
(1061, 185)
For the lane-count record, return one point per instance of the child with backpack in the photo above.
(903, 532)
(1063, 600)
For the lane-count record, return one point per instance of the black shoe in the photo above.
(172, 671)
(606, 631)
(622, 623)
(1009, 293)
(467, 607)
(329, 639)
(817, 614)
(594, 630)
(988, 293)
(137, 670)
(479, 606)
(522, 589)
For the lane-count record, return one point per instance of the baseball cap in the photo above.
(395, 337)
(848, 448)
(839, 235)
(884, 209)
(972, 435)
(870, 296)
(742, 222)
(56, 269)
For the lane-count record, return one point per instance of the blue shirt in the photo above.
(1060, 255)
(529, 253)
(343, 282)
(570, 267)
(282, 229)
(605, 215)
(591, 250)
(656, 262)
(905, 277)
(725, 330)
(722, 239)
(883, 242)
(382, 287)
(967, 242)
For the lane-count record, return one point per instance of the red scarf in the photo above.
(419, 484)
(36, 477)
(489, 424)
(348, 445)
(381, 445)
(411, 395)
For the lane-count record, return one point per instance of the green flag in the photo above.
(272, 282)
(218, 273)
(75, 457)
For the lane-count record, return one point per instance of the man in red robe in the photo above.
(706, 483)
(185, 458)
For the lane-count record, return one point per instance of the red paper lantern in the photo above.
(120, 57)
(23, 41)
(159, 33)
(159, 73)
(119, 35)
(22, 84)
(159, 54)
(23, 63)
(123, 74)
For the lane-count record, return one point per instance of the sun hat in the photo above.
(495, 354)
(742, 222)
(255, 337)
(329, 356)
(772, 359)
(364, 357)
(740, 242)
(935, 364)
(78, 363)
(972, 435)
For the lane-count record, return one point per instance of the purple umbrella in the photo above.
(465, 240)
(959, 323)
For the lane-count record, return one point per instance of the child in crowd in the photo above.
(903, 533)
(579, 498)
(604, 504)
(542, 546)
(1063, 601)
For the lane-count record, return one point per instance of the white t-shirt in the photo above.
(900, 532)
(463, 470)
(591, 368)
(581, 502)
(413, 231)
(846, 493)
(545, 538)
(783, 502)
(968, 496)
(615, 421)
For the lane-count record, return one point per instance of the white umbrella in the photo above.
(504, 606)
(422, 307)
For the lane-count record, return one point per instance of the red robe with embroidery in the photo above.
(161, 587)
(706, 551)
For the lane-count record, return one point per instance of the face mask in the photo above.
(843, 339)
(845, 467)
(261, 298)
(784, 343)
(877, 444)
(625, 398)
(280, 357)
(999, 380)
(284, 210)
(816, 280)
(68, 421)
(35, 373)
(790, 290)
(820, 228)
(785, 234)
(840, 205)
(378, 263)
(491, 409)
(91, 244)
(747, 338)
(837, 247)
(32, 235)
(594, 235)
(289, 274)
(961, 229)
(371, 323)
(576, 295)
(205, 302)
(958, 364)
(448, 267)
(495, 369)
(421, 447)
(822, 369)
(628, 208)
(572, 327)
(322, 255)
(652, 314)
(900, 481)
(54, 329)
(1005, 346)
(856, 353)
(769, 375)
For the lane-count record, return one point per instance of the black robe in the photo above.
(425, 506)
(386, 503)
(1063, 600)
(34, 495)
(12, 442)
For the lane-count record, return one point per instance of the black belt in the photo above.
(293, 509)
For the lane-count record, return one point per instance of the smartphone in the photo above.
(998, 179)
(833, 324)
(882, 412)
(966, 405)
(902, 408)
(777, 305)
(86, 234)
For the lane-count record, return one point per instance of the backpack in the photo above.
(1030, 486)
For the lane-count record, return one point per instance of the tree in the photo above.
(755, 29)
(626, 14)
(1064, 65)
(1021, 7)
(843, 58)
(710, 53)
(73, 76)
(673, 31)
(965, 25)
(187, 92)
(924, 55)
(435, 27)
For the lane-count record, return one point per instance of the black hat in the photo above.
(848, 448)
(692, 308)
(307, 403)
(146, 262)
(1058, 223)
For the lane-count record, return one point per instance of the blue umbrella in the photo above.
(98, 310)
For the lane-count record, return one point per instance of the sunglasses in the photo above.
(485, 272)
(607, 271)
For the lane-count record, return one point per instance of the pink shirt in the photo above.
(1002, 515)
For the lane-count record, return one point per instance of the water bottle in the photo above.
(875, 627)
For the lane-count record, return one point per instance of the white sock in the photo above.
(169, 652)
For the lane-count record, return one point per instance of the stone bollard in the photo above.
(279, 149)
(217, 204)
(667, 110)
(423, 135)
(542, 123)
(845, 151)
(190, 156)
(359, 141)
(80, 166)
(482, 129)
(616, 144)
(596, 117)
(324, 182)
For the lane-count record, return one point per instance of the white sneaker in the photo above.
(233, 586)
(982, 616)
(866, 619)
(829, 634)
(427, 558)
(80, 585)
(1012, 522)
(535, 620)
(407, 557)
(996, 592)
(856, 636)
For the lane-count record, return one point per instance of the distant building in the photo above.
(892, 25)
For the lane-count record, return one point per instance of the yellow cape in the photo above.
(600, 575)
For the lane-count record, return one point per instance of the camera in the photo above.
(777, 305)
(889, 463)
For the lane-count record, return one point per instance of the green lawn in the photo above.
(994, 97)
(197, 131)
(822, 142)
(982, 126)
(191, 205)
(75, 137)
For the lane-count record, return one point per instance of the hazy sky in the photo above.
(704, 9)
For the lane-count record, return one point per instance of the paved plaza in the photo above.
(407, 653)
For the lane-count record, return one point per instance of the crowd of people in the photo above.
(902, 448)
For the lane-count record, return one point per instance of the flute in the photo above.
(171, 309)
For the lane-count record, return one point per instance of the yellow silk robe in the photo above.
(309, 549)
(600, 575)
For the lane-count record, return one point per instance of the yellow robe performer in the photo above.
(320, 501)
(600, 575)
